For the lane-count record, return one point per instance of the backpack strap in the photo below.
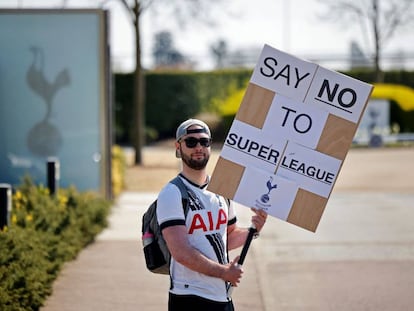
(185, 199)
(184, 193)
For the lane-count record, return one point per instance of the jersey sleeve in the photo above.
(170, 210)
(232, 217)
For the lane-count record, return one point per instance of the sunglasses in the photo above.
(191, 142)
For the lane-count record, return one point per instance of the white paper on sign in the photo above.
(311, 170)
(262, 190)
(295, 121)
(341, 95)
(283, 73)
(248, 146)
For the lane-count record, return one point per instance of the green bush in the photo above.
(172, 97)
(45, 232)
(174, 100)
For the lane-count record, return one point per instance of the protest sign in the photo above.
(287, 143)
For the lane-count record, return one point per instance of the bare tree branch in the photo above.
(397, 15)
(379, 18)
(194, 8)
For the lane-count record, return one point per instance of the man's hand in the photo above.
(259, 219)
(233, 272)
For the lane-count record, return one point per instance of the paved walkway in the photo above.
(111, 275)
(361, 258)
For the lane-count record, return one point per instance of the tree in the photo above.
(219, 51)
(379, 21)
(164, 52)
(181, 10)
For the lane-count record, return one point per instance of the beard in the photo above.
(195, 163)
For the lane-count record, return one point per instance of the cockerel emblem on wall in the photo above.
(44, 139)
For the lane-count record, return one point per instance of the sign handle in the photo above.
(250, 235)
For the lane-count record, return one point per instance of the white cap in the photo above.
(183, 130)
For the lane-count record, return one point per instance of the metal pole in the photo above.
(53, 174)
(5, 204)
(246, 245)
(252, 231)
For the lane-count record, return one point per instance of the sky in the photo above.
(293, 26)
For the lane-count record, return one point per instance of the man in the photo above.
(199, 243)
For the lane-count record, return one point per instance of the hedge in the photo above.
(45, 231)
(174, 96)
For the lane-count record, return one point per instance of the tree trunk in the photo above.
(377, 56)
(139, 98)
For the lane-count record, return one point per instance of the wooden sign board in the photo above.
(290, 136)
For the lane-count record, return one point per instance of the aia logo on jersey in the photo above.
(205, 221)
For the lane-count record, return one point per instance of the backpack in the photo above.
(157, 255)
